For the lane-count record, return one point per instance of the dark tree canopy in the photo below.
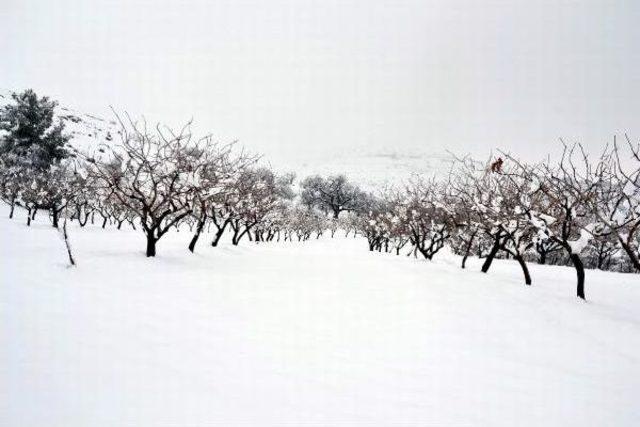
(32, 135)
(333, 194)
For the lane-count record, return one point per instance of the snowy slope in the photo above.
(374, 169)
(371, 169)
(322, 333)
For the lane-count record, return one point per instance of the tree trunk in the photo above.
(151, 246)
(236, 237)
(632, 256)
(336, 213)
(196, 236)
(577, 263)
(54, 214)
(217, 238)
(467, 250)
(464, 260)
(13, 207)
(543, 258)
(65, 236)
(525, 269)
(601, 257)
(82, 221)
(492, 255)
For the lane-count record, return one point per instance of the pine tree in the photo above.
(32, 135)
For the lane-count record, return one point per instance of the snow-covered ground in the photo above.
(303, 334)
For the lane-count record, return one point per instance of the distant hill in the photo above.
(368, 168)
(376, 168)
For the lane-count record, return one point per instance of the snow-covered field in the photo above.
(303, 334)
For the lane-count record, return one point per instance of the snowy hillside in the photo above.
(374, 169)
(367, 167)
(315, 333)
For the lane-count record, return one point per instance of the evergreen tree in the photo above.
(32, 135)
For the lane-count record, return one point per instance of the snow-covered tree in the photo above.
(564, 215)
(151, 174)
(258, 192)
(33, 146)
(498, 203)
(427, 217)
(51, 190)
(616, 204)
(333, 194)
(219, 171)
(31, 132)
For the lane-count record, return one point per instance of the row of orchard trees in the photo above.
(565, 212)
(154, 179)
(577, 211)
(163, 178)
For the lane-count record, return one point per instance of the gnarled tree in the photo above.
(151, 174)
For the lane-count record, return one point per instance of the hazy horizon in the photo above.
(301, 79)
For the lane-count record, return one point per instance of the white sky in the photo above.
(295, 78)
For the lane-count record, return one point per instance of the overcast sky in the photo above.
(293, 78)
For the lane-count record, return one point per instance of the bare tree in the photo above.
(616, 204)
(51, 190)
(544, 248)
(428, 218)
(498, 202)
(474, 189)
(258, 192)
(219, 171)
(333, 194)
(153, 175)
(564, 216)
